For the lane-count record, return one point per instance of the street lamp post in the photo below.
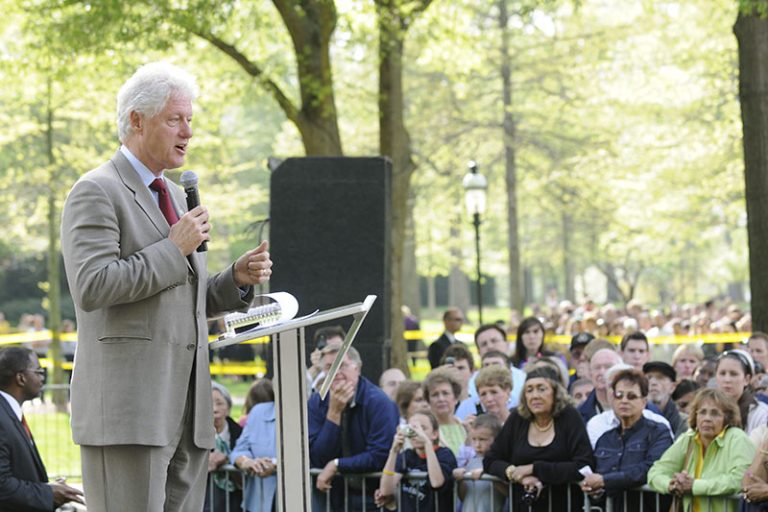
(475, 186)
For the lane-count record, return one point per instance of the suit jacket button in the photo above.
(191, 346)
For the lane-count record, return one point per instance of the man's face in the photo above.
(581, 392)
(660, 388)
(348, 370)
(453, 321)
(161, 141)
(599, 364)
(463, 370)
(636, 353)
(33, 378)
(390, 380)
(491, 339)
(578, 362)
(494, 361)
(758, 349)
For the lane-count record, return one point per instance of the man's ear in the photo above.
(20, 379)
(137, 121)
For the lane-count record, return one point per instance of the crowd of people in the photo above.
(601, 421)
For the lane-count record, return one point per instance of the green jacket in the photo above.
(725, 463)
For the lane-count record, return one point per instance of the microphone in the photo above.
(189, 182)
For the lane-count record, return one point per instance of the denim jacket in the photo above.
(624, 459)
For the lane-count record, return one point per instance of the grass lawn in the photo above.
(54, 442)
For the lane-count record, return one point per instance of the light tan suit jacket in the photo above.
(141, 313)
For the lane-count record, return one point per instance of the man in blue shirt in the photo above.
(350, 431)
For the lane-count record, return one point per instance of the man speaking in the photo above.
(141, 392)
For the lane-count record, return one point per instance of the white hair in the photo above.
(148, 90)
(613, 370)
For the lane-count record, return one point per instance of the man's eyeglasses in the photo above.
(620, 395)
(38, 371)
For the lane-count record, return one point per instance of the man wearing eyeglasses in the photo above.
(350, 431)
(453, 319)
(24, 482)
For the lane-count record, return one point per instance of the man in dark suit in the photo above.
(141, 386)
(453, 319)
(23, 481)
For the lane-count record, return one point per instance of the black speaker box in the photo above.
(329, 241)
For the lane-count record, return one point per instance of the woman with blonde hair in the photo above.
(685, 360)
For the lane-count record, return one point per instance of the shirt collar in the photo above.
(719, 440)
(145, 174)
(16, 406)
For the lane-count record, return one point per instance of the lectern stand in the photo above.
(294, 486)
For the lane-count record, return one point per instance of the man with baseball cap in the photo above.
(661, 383)
(578, 362)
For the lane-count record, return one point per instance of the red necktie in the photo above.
(26, 427)
(165, 201)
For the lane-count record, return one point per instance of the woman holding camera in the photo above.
(435, 492)
(542, 445)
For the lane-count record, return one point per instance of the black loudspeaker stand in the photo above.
(330, 242)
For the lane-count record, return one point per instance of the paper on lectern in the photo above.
(274, 308)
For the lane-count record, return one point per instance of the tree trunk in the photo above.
(568, 272)
(311, 25)
(516, 297)
(613, 292)
(752, 36)
(54, 278)
(411, 288)
(395, 143)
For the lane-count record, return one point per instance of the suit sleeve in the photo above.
(224, 295)
(577, 446)
(21, 494)
(91, 245)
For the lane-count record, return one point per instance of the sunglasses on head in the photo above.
(739, 357)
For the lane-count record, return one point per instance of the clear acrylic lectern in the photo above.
(294, 485)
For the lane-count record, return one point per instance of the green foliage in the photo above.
(626, 120)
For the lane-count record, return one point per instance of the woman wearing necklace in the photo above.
(543, 447)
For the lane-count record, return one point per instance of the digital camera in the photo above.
(407, 430)
(529, 497)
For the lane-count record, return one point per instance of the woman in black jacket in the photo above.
(543, 447)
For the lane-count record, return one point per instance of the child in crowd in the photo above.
(480, 495)
(425, 455)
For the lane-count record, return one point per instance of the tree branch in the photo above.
(290, 110)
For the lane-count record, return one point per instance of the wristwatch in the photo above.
(508, 471)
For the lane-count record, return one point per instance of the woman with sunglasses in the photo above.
(706, 464)
(624, 454)
(733, 374)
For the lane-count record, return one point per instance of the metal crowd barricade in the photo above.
(647, 500)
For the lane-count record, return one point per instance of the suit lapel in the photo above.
(25, 440)
(146, 202)
(141, 193)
